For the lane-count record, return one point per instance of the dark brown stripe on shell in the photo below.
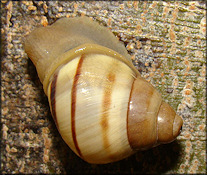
(106, 106)
(52, 97)
(73, 103)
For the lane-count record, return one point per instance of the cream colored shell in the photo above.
(98, 123)
(102, 107)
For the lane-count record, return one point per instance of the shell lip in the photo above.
(86, 49)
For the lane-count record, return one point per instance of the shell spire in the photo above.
(148, 113)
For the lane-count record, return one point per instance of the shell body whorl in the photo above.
(102, 107)
(95, 101)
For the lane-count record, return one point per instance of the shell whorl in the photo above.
(80, 50)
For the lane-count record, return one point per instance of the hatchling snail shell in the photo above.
(104, 110)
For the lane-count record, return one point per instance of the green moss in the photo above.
(182, 53)
(181, 19)
(181, 16)
(160, 8)
(195, 69)
(177, 28)
(155, 40)
(179, 42)
(186, 3)
(170, 63)
(181, 9)
(193, 20)
(197, 106)
(194, 32)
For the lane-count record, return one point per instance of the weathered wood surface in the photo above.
(167, 43)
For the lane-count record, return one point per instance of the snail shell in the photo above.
(104, 110)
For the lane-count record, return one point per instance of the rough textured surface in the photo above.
(167, 43)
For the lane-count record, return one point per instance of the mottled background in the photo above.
(167, 43)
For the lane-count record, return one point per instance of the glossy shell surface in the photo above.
(102, 107)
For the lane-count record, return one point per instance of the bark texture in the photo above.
(167, 43)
